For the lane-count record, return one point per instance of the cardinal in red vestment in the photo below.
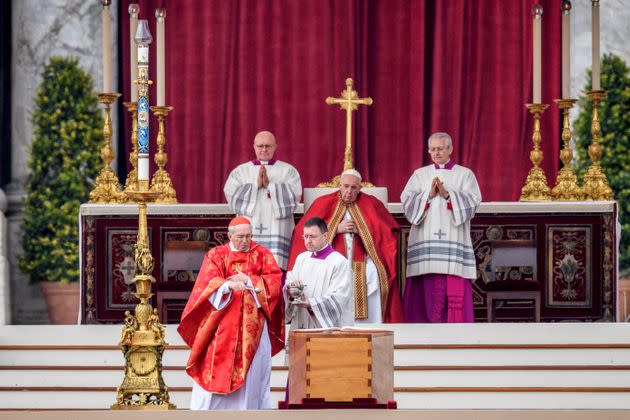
(234, 323)
(360, 228)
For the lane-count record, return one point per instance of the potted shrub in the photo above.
(63, 163)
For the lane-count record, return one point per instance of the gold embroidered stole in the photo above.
(358, 267)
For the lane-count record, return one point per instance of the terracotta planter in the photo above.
(62, 301)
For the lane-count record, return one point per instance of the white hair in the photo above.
(352, 172)
(233, 228)
(440, 135)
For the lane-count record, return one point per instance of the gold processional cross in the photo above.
(349, 101)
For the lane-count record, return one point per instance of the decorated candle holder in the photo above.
(107, 189)
(536, 187)
(161, 182)
(131, 184)
(595, 182)
(566, 187)
(142, 338)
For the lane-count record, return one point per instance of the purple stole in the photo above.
(448, 165)
(323, 253)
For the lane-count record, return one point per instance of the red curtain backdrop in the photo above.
(236, 67)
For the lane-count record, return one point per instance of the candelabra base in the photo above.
(143, 387)
(162, 185)
(107, 188)
(596, 185)
(567, 188)
(536, 187)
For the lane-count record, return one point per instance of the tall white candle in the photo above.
(566, 49)
(143, 111)
(107, 48)
(595, 27)
(143, 39)
(134, 10)
(160, 15)
(537, 24)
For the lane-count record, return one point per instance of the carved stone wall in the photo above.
(5, 301)
(42, 29)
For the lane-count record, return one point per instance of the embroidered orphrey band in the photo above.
(333, 224)
(370, 248)
(360, 290)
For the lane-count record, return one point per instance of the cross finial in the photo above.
(349, 101)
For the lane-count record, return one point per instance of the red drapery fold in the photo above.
(236, 67)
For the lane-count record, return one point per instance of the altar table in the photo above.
(566, 249)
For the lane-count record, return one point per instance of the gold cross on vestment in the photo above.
(349, 101)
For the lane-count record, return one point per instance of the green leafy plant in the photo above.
(615, 139)
(64, 161)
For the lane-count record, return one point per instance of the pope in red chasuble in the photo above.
(361, 229)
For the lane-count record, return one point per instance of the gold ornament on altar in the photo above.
(595, 182)
(536, 187)
(566, 187)
(107, 189)
(131, 184)
(349, 101)
(161, 182)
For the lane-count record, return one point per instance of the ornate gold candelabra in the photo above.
(142, 339)
(107, 189)
(566, 187)
(595, 182)
(132, 178)
(349, 101)
(161, 182)
(536, 187)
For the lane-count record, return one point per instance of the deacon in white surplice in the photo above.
(326, 278)
(439, 201)
(266, 190)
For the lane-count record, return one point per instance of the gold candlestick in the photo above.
(595, 182)
(161, 182)
(567, 187)
(107, 189)
(131, 184)
(142, 338)
(536, 187)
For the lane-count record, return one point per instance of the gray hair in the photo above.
(352, 172)
(232, 229)
(440, 135)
